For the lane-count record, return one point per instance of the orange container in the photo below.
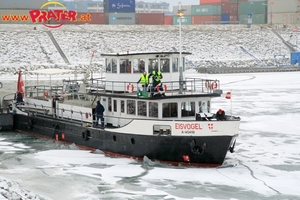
(168, 20)
(206, 19)
(210, 2)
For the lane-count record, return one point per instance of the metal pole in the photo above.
(180, 53)
(271, 15)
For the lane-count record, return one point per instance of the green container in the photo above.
(256, 19)
(252, 7)
(186, 20)
(206, 10)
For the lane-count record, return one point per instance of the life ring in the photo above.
(46, 94)
(130, 87)
(214, 85)
(207, 84)
(1, 85)
(157, 88)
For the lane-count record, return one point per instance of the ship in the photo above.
(171, 122)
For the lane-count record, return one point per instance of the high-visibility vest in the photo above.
(156, 75)
(144, 79)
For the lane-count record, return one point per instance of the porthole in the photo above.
(132, 141)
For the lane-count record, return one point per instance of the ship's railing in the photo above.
(42, 91)
(190, 86)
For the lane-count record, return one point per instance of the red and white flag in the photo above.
(20, 86)
(228, 95)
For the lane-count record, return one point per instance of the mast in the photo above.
(180, 15)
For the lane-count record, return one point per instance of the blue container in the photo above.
(295, 58)
(225, 18)
(119, 6)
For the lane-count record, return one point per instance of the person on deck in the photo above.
(156, 79)
(99, 114)
(220, 115)
(19, 98)
(144, 80)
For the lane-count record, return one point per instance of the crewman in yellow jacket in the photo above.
(144, 80)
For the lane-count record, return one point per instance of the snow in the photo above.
(267, 158)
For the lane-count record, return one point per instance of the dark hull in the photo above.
(6, 122)
(201, 151)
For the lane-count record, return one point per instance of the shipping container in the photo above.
(84, 18)
(233, 9)
(234, 1)
(22, 4)
(122, 6)
(233, 19)
(252, 7)
(225, 7)
(239, 1)
(186, 20)
(15, 16)
(210, 2)
(120, 18)
(206, 19)
(206, 10)
(225, 1)
(286, 6)
(187, 10)
(284, 18)
(168, 20)
(256, 19)
(225, 18)
(149, 18)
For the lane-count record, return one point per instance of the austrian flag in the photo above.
(20, 86)
(228, 95)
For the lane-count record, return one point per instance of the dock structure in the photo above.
(228, 70)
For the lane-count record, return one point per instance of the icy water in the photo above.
(265, 165)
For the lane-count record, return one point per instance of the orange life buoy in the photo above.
(207, 84)
(157, 88)
(130, 87)
(214, 85)
(46, 94)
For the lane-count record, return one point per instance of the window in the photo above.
(170, 110)
(187, 109)
(165, 65)
(153, 112)
(204, 106)
(142, 108)
(125, 66)
(161, 129)
(122, 106)
(111, 66)
(109, 104)
(131, 107)
(152, 64)
(138, 65)
(175, 65)
(115, 106)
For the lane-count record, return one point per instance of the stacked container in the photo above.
(119, 12)
(223, 11)
(284, 12)
(257, 9)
